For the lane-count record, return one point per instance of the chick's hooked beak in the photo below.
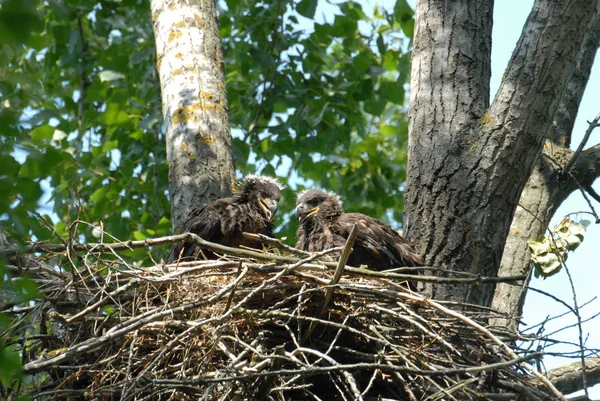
(269, 206)
(301, 215)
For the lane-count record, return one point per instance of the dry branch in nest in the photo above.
(258, 327)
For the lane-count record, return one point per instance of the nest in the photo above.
(241, 328)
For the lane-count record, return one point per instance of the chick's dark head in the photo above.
(315, 203)
(264, 191)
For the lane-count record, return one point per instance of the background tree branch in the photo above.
(546, 187)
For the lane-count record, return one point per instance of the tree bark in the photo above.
(190, 65)
(546, 188)
(569, 378)
(468, 165)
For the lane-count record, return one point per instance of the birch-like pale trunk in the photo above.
(194, 103)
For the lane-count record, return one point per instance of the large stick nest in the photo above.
(241, 328)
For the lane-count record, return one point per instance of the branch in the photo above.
(569, 378)
(193, 238)
(339, 270)
(592, 125)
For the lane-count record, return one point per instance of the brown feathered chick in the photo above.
(224, 220)
(324, 225)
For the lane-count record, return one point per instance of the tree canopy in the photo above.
(314, 100)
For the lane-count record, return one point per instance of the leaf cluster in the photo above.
(319, 99)
(549, 252)
(81, 125)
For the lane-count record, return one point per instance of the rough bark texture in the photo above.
(190, 65)
(468, 165)
(568, 378)
(546, 189)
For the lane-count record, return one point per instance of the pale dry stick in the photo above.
(350, 382)
(92, 274)
(250, 348)
(349, 378)
(339, 270)
(178, 338)
(417, 324)
(370, 383)
(276, 243)
(337, 336)
(134, 282)
(295, 341)
(129, 363)
(104, 300)
(592, 125)
(227, 352)
(280, 314)
(259, 288)
(487, 333)
(408, 362)
(447, 391)
(354, 366)
(189, 237)
(119, 330)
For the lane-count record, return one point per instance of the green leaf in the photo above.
(26, 290)
(99, 194)
(110, 145)
(18, 20)
(393, 91)
(376, 106)
(10, 366)
(408, 27)
(307, 8)
(388, 130)
(114, 115)
(108, 75)
(42, 133)
(402, 11)
(362, 62)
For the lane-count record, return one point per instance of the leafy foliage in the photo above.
(550, 252)
(317, 101)
(321, 100)
(81, 118)
(321, 103)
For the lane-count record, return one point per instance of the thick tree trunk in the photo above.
(468, 165)
(547, 188)
(190, 65)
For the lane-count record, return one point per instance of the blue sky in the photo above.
(509, 17)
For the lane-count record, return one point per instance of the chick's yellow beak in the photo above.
(312, 211)
(268, 206)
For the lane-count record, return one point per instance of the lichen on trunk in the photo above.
(190, 65)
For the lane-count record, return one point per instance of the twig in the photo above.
(488, 334)
(359, 366)
(339, 270)
(592, 125)
(276, 243)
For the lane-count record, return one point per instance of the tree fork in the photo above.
(468, 163)
(547, 187)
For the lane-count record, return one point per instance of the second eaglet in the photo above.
(224, 220)
(324, 225)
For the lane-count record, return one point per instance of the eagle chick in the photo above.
(324, 225)
(224, 220)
